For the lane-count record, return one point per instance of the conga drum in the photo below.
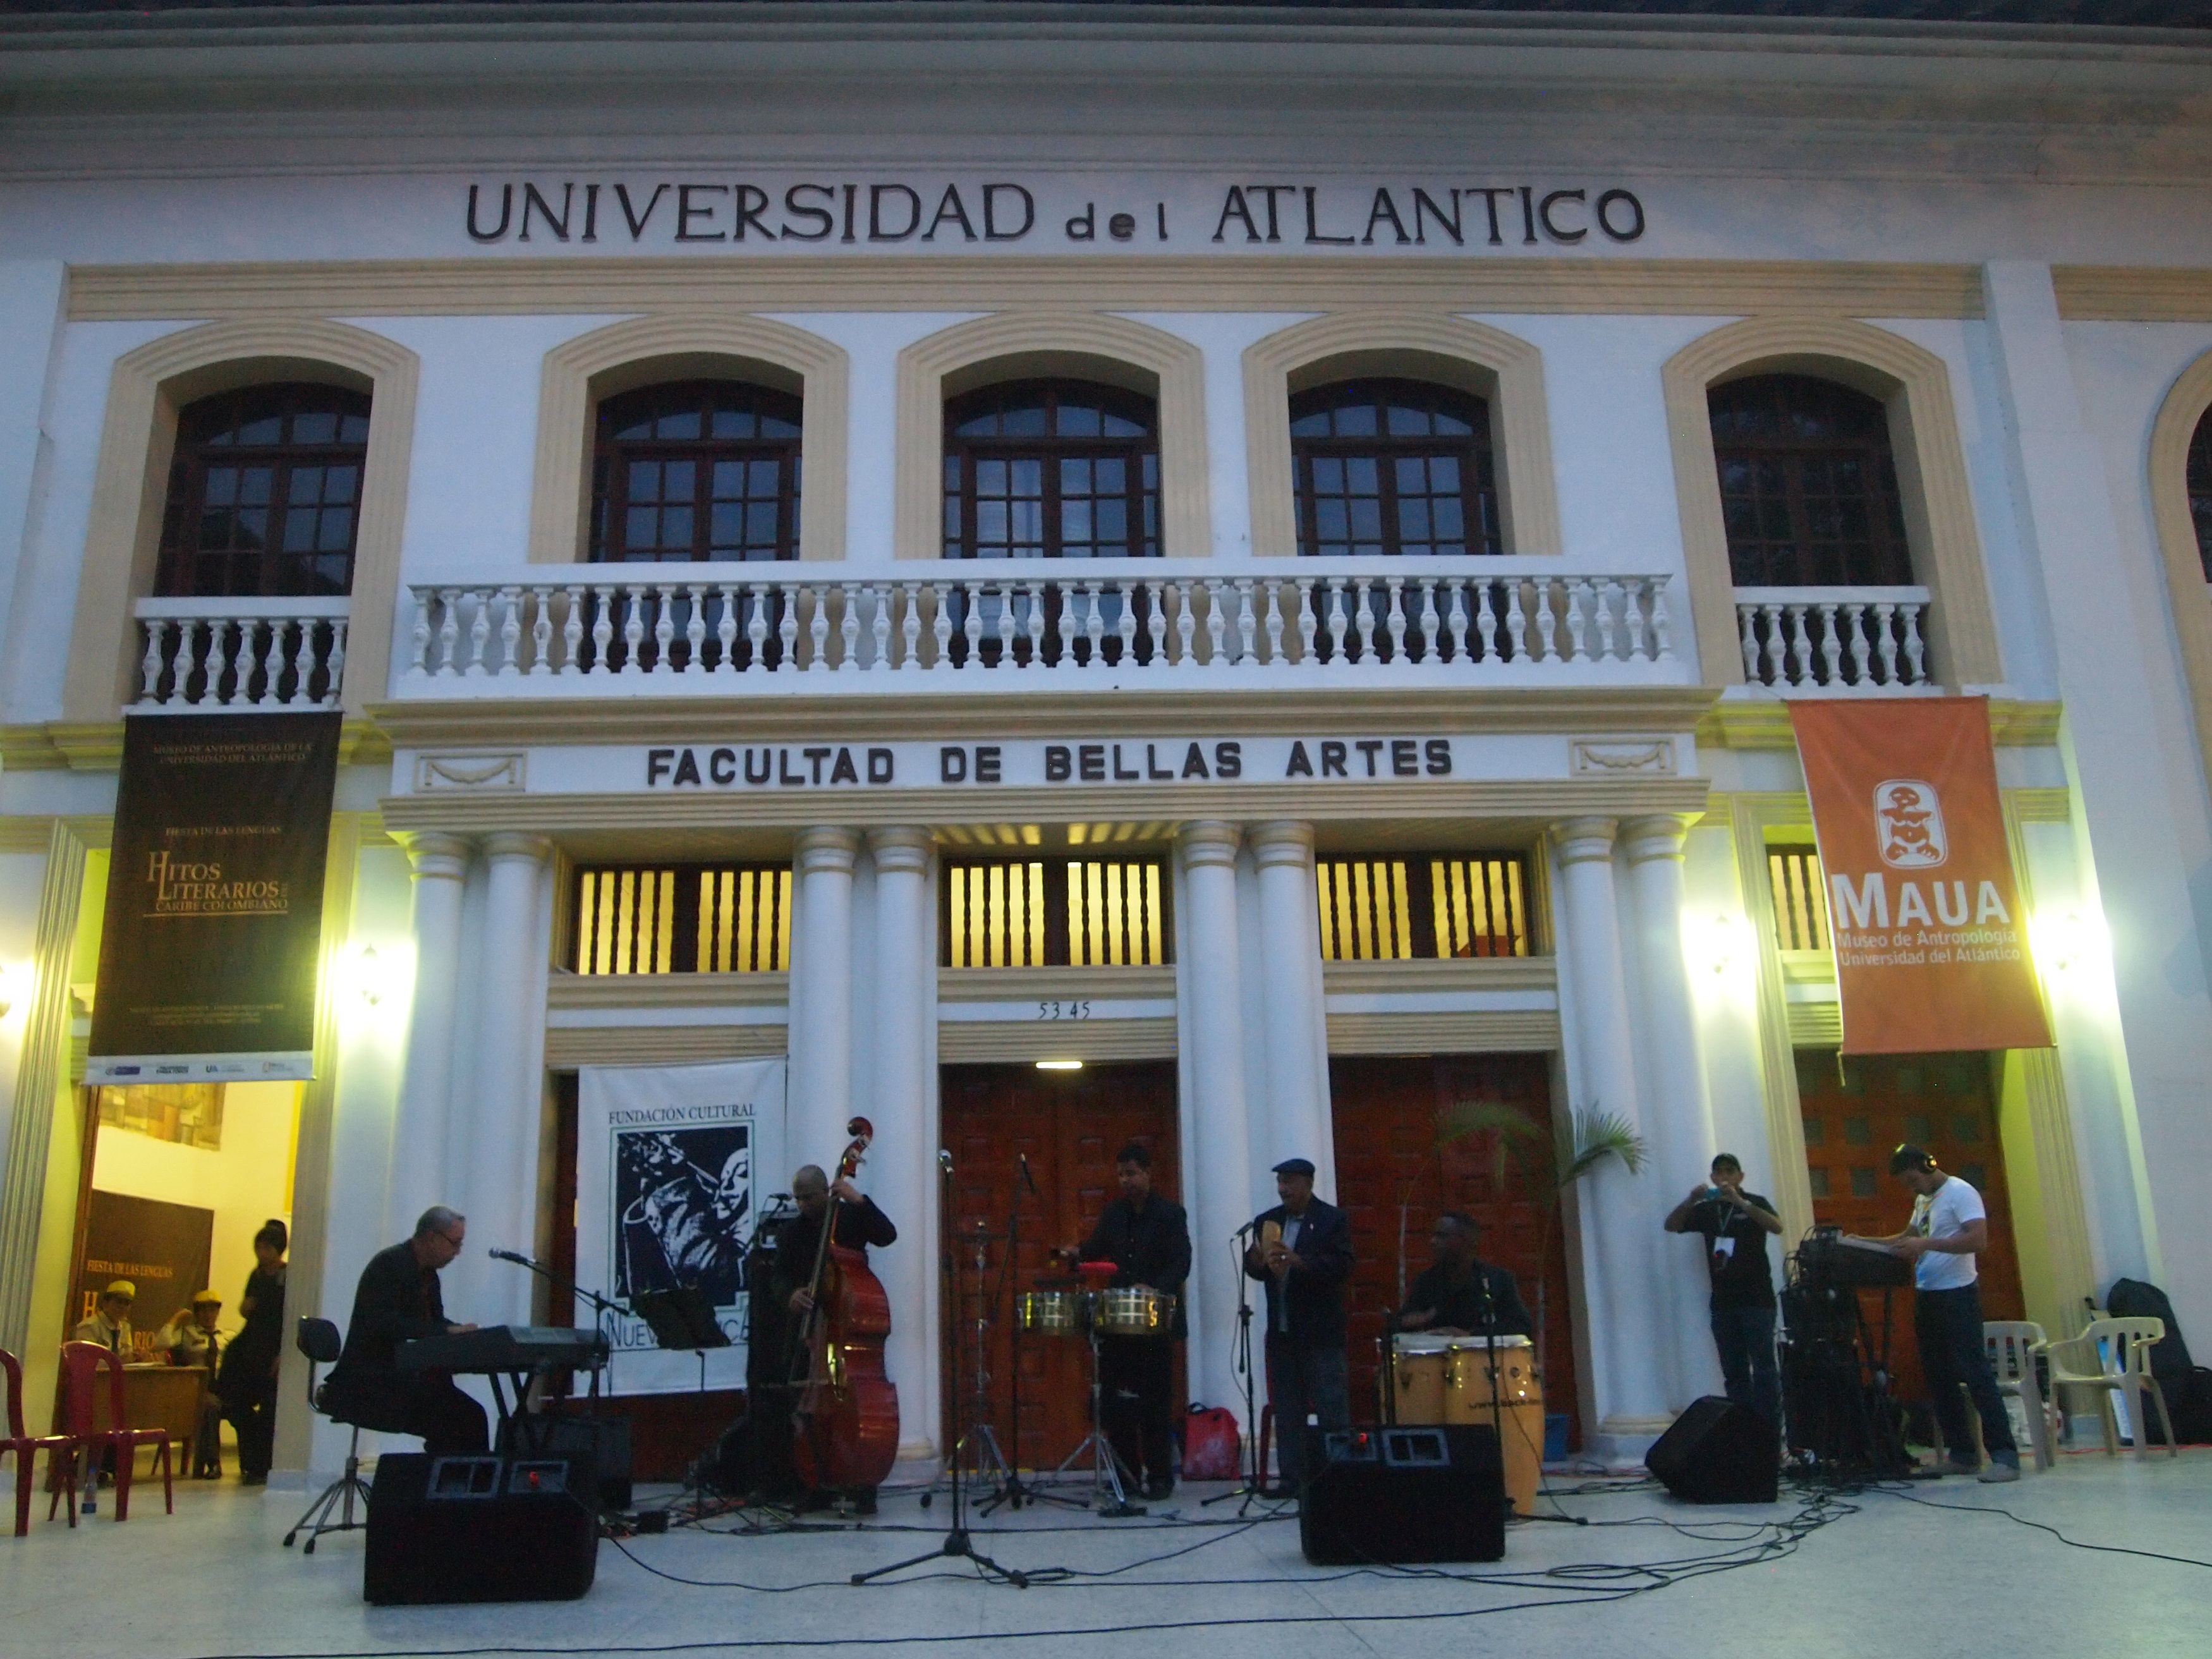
(1468, 1368)
(1417, 1377)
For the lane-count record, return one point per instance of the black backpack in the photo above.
(2186, 1385)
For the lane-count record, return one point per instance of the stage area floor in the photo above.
(1868, 1573)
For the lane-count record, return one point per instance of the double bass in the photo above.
(845, 1426)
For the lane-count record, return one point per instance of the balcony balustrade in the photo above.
(1835, 641)
(202, 655)
(981, 624)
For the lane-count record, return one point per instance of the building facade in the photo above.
(1264, 553)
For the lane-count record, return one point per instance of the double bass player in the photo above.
(859, 1223)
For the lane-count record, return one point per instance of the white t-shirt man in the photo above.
(1949, 1211)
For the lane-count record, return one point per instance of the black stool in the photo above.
(318, 1340)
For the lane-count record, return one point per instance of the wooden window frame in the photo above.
(1051, 930)
(680, 889)
(1482, 527)
(1888, 549)
(610, 473)
(1049, 450)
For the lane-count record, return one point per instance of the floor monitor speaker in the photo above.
(480, 1530)
(1718, 1452)
(1401, 1493)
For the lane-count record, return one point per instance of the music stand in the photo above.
(679, 1319)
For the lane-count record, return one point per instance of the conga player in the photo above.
(1147, 1239)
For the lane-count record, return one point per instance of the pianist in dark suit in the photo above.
(398, 1301)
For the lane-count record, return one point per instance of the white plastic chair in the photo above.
(2111, 1356)
(2013, 1345)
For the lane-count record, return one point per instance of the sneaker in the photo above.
(2001, 1469)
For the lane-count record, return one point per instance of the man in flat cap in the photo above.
(110, 1323)
(1301, 1249)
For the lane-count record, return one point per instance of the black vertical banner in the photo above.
(209, 954)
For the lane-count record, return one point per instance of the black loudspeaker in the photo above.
(480, 1530)
(605, 1440)
(1718, 1452)
(1402, 1493)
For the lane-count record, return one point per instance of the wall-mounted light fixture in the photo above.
(14, 987)
(1722, 942)
(1060, 1066)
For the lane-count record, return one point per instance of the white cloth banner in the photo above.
(672, 1163)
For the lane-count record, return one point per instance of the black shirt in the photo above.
(1458, 1304)
(1147, 1246)
(398, 1301)
(858, 1225)
(1740, 1274)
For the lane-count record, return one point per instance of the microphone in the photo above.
(1245, 1231)
(944, 1159)
(510, 1255)
(1028, 1180)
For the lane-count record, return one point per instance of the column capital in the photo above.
(900, 848)
(438, 854)
(824, 850)
(1584, 840)
(1282, 840)
(1208, 841)
(517, 846)
(1658, 836)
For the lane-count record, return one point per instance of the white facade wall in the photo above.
(2054, 417)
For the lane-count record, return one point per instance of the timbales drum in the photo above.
(1136, 1310)
(1051, 1313)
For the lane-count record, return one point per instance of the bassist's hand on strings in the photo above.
(845, 1191)
(802, 1300)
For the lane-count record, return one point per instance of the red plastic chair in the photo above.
(81, 1363)
(27, 1446)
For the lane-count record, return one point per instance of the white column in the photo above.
(440, 867)
(1682, 1110)
(906, 999)
(2136, 1086)
(499, 1190)
(1219, 1161)
(1617, 1245)
(1297, 1124)
(821, 994)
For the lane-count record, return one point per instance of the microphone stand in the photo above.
(957, 1541)
(1011, 1491)
(1254, 1484)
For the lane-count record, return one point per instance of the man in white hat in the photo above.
(109, 1324)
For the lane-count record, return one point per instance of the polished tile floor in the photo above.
(1871, 1574)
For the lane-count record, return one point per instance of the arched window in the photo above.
(1051, 470)
(696, 470)
(264, 493)
(1808, 486)
(2200, 489)
(1393, 467)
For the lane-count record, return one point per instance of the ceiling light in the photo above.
(1060, 1066)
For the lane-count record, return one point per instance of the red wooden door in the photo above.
(1069, 1125)
(1855, 1115)
(1387, 1113)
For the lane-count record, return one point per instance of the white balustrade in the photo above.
(679, 627)
(1834, 641)
(203, 654)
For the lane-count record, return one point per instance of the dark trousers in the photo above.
(449, 1423)
(252, 1408)
(1136, 1381)
(1745, 1336)
(1303, 1382)
(1949, 1325)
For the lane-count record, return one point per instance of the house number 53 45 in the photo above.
(1064, 1010)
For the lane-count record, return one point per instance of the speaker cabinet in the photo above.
(1402, 1493)
(605, 1440)
(480, 1530)
(1718, 1452)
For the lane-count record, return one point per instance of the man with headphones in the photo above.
(1949, 1225)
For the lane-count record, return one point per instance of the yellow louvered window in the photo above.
(1385, 909)
(681, 919)
(1054, 913)
(1801, 900)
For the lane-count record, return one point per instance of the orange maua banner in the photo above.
(1931, 948)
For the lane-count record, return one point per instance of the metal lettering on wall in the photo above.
(737, 212)
(1031, 762)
